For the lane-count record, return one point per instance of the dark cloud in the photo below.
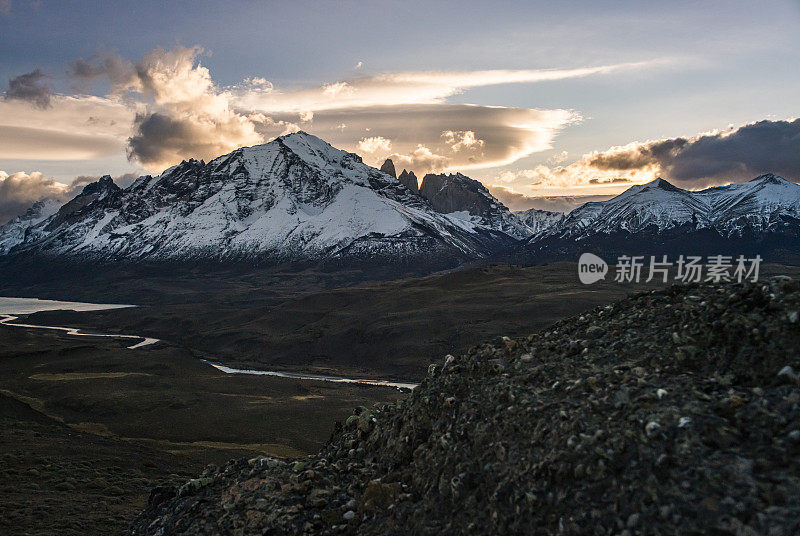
(735, 155)
(80, 181)
(638, 156)
(5, 7)
(83, 68)
(159, 138)
(616, 180)
(188, 116)
(125, 180)
(516, 201)
(113, 66)
(21, 190)
(30, 87)
(156, 137)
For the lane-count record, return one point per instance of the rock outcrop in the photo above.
(388, 168)
(458, 194)
(409, 180)
(454, 193)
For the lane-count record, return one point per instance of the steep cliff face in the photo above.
(453, 193)
(388, 168)
(469, 199)
(406, 178)
(409, 180)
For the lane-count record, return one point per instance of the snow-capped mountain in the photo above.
(463, 199)
(469, 201)
(539, 221)
(758, 216)
(295, 198)
(763, 204)
(13, 232)
(299, 198)
(758, 205)
(657, 204)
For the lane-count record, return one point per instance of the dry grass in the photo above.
(73, 376)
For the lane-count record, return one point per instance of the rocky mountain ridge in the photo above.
(299, 199)
(540, 221)
(464, 198)
(760, 204)
(295, 198)
(470, 200)
(15, 231)
(757, 217)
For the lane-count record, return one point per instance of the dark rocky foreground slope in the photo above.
(672, 412)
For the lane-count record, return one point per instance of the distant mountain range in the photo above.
(297, 198)
(540, 222)
(15, 231)
(758, 216)
(762, 204)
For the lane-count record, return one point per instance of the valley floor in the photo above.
(89, 427)
(88, 420)
(55, 479)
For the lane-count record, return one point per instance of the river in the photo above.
(11, 307)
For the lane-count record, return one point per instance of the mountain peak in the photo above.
(301, 136)
(409, 180)
(769, 178)
(388, 168)
(311, 148)
(306, 147)
(291, 140)
(104, 184)
(662, 184)
(294, 198)
(652, 186)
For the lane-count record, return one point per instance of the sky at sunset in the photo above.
(531, 98)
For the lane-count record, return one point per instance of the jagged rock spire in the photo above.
(409, 180)
(388, 167)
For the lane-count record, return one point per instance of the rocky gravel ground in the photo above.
(671, 412)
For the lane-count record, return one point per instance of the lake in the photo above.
(26, 306)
